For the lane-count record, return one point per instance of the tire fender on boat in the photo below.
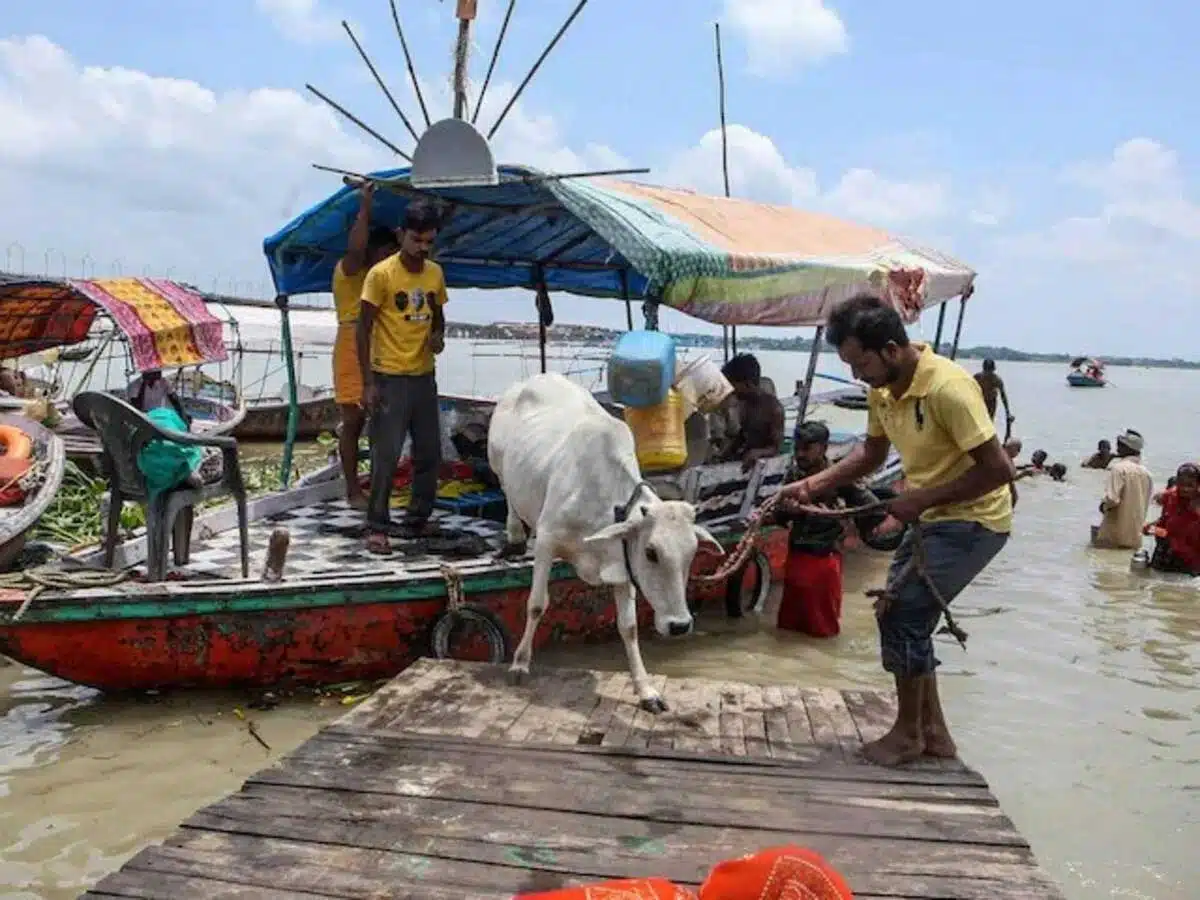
(16, 443)
(761, 591)
(477, 616)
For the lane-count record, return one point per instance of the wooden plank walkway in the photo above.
(449, 783)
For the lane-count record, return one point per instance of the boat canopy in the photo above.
(721, 260)
(164, 324)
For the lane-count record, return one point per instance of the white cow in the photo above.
(570, 473)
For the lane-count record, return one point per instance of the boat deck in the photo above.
(449, 783)
(328, 538)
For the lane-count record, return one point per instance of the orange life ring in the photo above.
(16, 443)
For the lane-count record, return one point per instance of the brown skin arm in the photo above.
(355, 259)
(362, 339)
(864, 459)
(437, 329)
(992, 469)
(1003, 396)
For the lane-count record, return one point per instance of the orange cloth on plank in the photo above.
(347, 375)
(623, 889)
(778, 873)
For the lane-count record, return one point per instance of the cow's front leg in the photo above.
(539, 599)
(515, 536)
(649, 699)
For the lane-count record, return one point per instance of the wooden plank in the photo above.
(733, 736)
(779, 741)
(816, 767)
(574, 714)
(601, 847)
(600, 719)
(754, 724)
(689, 716)
(539, 786)
(812, 780)
(620, 727)
(644, 722)
(409, 691)
(138, 884)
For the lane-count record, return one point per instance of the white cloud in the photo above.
(110, 170)
(783, 34)
(992, 207)
(302, 21)
(759, 171)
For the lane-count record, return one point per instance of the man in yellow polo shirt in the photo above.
(400, 329)
(957, 494)
(366, 246)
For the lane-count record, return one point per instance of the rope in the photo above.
(454, 587)
(44, 578)
(917, 565)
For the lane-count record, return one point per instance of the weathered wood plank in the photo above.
(585, 846)
(815, 766)
(449, 782)
(565, 789)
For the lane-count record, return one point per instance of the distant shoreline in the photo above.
(598, 336)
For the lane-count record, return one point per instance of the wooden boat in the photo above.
(1086, 372)
(266, 419)
(50, 459)
(92, 334)
(339, 613)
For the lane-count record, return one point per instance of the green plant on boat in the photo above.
(76, 516)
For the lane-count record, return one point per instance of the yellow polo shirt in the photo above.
(347, 294)
(405, 301)
(934, 426)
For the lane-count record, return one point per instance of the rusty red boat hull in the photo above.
(306, 637)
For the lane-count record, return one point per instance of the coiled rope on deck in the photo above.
(917, 565)
(44, 578)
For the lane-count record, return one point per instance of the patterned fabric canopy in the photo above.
(166, 324)
(722, 260)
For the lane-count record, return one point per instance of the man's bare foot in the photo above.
(357, 501)
(893, 749)
(940, 744)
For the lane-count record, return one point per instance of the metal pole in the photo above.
(625, 297)
(293, 420)
(733, 339)
(466, 12)
(810, 374)
(937, 338)
(962, 309)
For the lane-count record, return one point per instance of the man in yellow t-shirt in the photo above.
(401, 328)
(366, 247)
(957, 494)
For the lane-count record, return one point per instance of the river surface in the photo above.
(1079, 699)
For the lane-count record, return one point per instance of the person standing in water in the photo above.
(401, 329)
(1126, 500)
(367, 246)
(958, 475)
(1177, 530)
(1101, 458)
(992, 386)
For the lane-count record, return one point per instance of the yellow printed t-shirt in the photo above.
(347, 293)
(400, 336)
(933, 426)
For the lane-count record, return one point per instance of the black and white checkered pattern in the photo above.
(327, 539)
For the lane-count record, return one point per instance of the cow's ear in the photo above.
(613, 532)
(705, 537)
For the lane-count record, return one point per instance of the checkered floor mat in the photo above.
(329, 538)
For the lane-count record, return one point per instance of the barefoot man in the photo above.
(992, 386)
(367, 246)
(958, 476)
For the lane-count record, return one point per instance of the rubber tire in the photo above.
(498, 640)
(762, 587)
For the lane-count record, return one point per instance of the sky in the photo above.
(1048, 145)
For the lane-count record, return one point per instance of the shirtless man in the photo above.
(1101, 458)
(760, 414)
(992, 386)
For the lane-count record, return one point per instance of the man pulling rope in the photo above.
(957, 498)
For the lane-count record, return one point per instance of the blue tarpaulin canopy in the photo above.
(722, 260)
(495, 238)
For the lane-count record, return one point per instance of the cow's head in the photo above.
(663, 537)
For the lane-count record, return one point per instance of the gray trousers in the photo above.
(408, 406)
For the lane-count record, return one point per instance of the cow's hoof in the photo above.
(512, 550)
(518, 676)
(654, 705)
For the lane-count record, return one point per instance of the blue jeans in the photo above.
(955, 552)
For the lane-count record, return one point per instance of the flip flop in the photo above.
(378, 544)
